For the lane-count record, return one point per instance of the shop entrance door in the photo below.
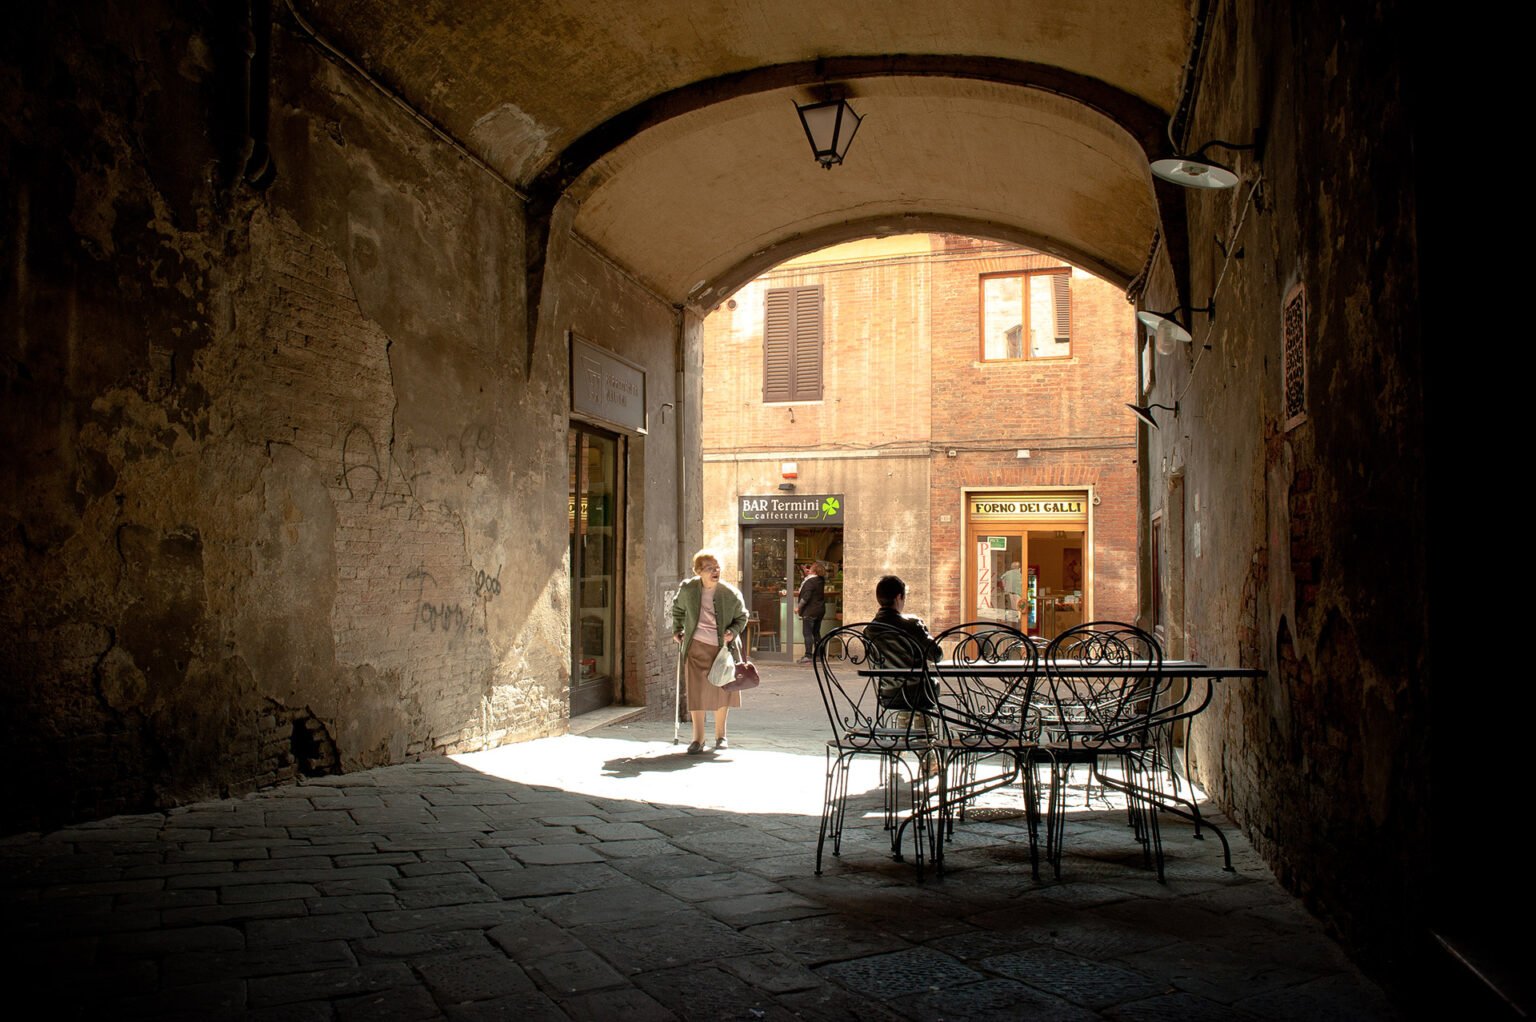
(1029, 579)
(1055, 580)
(998, 580)
(765, 552)
(775, 560)
(596, 519)
(822, 545)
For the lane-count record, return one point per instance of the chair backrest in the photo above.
(1105, 684)
(994, 704)
(985, 642)
(863, 709)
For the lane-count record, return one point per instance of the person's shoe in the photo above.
(722, 743)
(803, 660)
(695, 748)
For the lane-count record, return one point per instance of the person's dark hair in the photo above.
(888, 589)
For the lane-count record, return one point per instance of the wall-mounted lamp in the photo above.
(1193, 170)
(1165, 328)
(829, 127)
(1144, 412)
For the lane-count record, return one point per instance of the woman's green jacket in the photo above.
(730, 611)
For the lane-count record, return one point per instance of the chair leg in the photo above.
(834, 804)
(1055, 825)
(1150, 831)
(1026, 767)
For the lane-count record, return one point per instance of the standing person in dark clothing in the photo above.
(811, 605)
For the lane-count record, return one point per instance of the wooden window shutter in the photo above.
(792, 344)
(778, 346)
(807, 380)
(1063, 293)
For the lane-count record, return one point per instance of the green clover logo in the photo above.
(829, 507)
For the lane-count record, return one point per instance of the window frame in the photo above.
(1025, 356)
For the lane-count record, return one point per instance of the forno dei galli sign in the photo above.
(799, 509)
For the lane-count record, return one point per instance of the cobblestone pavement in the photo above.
(612, 876)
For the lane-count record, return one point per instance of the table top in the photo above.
(1014, 668)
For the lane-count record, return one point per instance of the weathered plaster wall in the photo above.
(284, 477)
(1302, 551)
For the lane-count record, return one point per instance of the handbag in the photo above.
(744, 676)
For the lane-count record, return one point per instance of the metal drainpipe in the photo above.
(679, 392)
(258, 170)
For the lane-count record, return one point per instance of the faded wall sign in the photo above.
(606, 388)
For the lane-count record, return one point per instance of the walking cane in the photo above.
(677, 688)
(677, 695)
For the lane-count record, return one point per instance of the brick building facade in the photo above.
(942, 360)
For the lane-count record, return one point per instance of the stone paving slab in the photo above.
(611, 876)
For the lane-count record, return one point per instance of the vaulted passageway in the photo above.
(291, 290)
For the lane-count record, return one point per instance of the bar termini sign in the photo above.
(606, 388)
(800, 509)
(1056, 507)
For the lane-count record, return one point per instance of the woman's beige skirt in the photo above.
(701, 694)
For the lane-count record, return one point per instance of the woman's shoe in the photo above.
(721, 743)
(695, 748)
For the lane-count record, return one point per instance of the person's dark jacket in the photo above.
(901, 638)
(811, 601)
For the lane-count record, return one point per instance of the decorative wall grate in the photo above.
(1293, 319)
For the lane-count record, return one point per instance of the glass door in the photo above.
(766, 553)
(999, 586)
(596, 513)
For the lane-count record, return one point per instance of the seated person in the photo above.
(905, 638)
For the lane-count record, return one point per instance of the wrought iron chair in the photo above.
(1107, 699)
(989, 713)
(887, 716)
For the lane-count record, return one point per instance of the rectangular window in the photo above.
(1026, 315)
(792, 344)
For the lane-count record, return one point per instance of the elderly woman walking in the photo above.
(706, 615)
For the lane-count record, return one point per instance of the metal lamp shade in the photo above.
(1189, 172)
(1144, 412)
(830, 128)
(1166, 332)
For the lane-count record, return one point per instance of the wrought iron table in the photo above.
(1013, 677)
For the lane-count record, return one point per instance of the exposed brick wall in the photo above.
(903, 377)
(1068, 413)
(878, 321)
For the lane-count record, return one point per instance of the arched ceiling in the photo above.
(671, 121)
(713, 187)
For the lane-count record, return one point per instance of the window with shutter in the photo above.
(792, 343)
(1026, 315)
